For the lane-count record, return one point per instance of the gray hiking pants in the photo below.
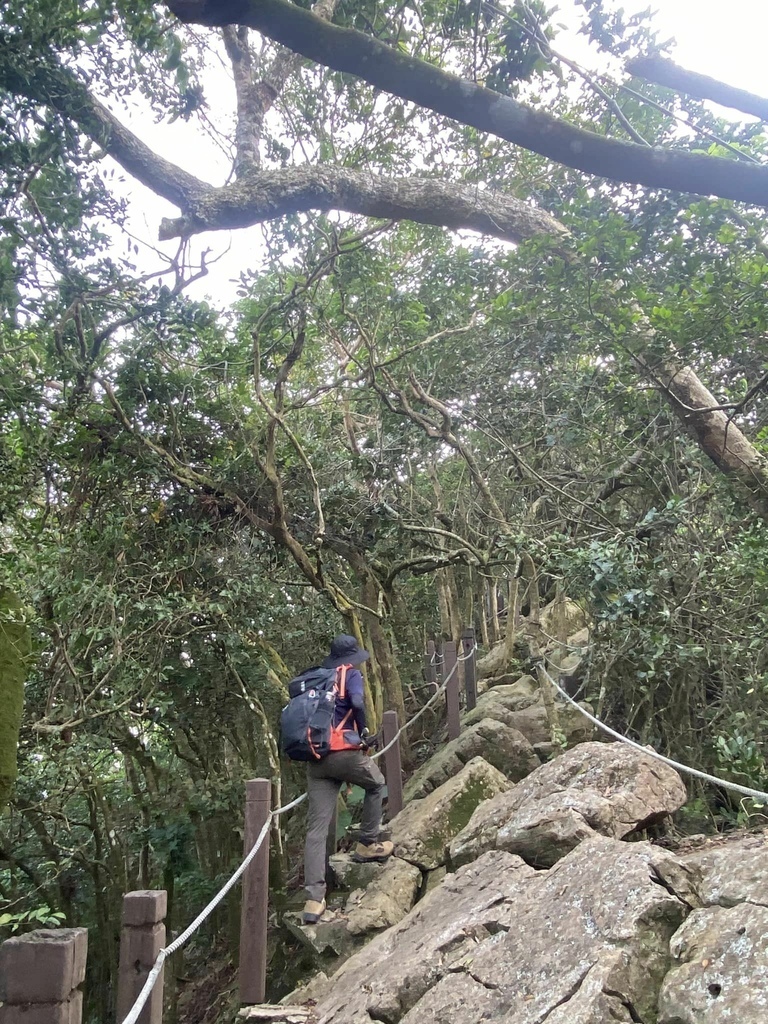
(324, 779)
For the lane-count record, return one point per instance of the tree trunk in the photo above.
(15, 650)
(454, 605)
(443, 604)
(717, 435)
(493, 612)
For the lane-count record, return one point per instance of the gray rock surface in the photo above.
(317, 988)
(574, 619)
(583, 943)
(605, 788)
(505, 748)
(350, 875)
(734, 872)
(519, 692)
(509, 679)
(386, 900)
(520, 707)
(422, 831)
(330, 939)
(721, 968)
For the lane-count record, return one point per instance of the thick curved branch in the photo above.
(260, 196)
(269, 194)
(47, 82)
(412, 79)
(665, 72)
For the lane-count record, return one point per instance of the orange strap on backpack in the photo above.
(342, 737)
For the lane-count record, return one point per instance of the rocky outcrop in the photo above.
(510, 691)
(721, 968)
(423, 830)
(386, 900)
(520, 707)
(569, 618)
(732, 872)
(720, 953)
(596, 788)
(507, 749)
(586, 942)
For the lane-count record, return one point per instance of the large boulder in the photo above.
(721, 968)
(584, 943)
(511, 692)
(349, 875)
(503, 747)
(597, 788)
(330, 941)
(422, 831)
(386, 978)
(520, 707)
(570, 618)
(386, 900)
(733, 872)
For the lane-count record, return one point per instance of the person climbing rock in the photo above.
(346, 763)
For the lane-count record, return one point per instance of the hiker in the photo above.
(347, 762)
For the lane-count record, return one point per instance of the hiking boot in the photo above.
(369, 853)
(312, 912)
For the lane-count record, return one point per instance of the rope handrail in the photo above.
(189, 931)
(757, 794)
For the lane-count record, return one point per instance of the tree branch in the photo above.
(665, 72)
(262, 196)
(45, 81)
(271, 194)
(412, 79)
(250, 117)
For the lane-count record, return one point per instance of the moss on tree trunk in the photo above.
(14, 657)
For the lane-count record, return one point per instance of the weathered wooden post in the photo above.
(392, 765)
(253, 917)
(430, 667)
(470, 666)
(40, 977)
(450, 672)
(141, 938)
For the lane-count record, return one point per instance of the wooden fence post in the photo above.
(430, 668)
(253, 916)
(470, 666)
(392, 765)
(141, 938)
(452, 689)
(40, 977)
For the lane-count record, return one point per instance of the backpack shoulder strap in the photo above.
(341, 680)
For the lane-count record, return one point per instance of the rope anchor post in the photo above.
(392, 765)
(468, 649)
(451, 677)
(142, 936)
(253, 919)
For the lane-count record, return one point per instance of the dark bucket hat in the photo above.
(345, 650)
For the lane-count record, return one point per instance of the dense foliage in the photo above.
(389, 425)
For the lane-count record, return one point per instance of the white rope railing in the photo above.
(189, 931)
(756, 794)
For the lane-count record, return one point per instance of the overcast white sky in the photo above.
(723, 38)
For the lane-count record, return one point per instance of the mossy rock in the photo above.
(423, 831)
